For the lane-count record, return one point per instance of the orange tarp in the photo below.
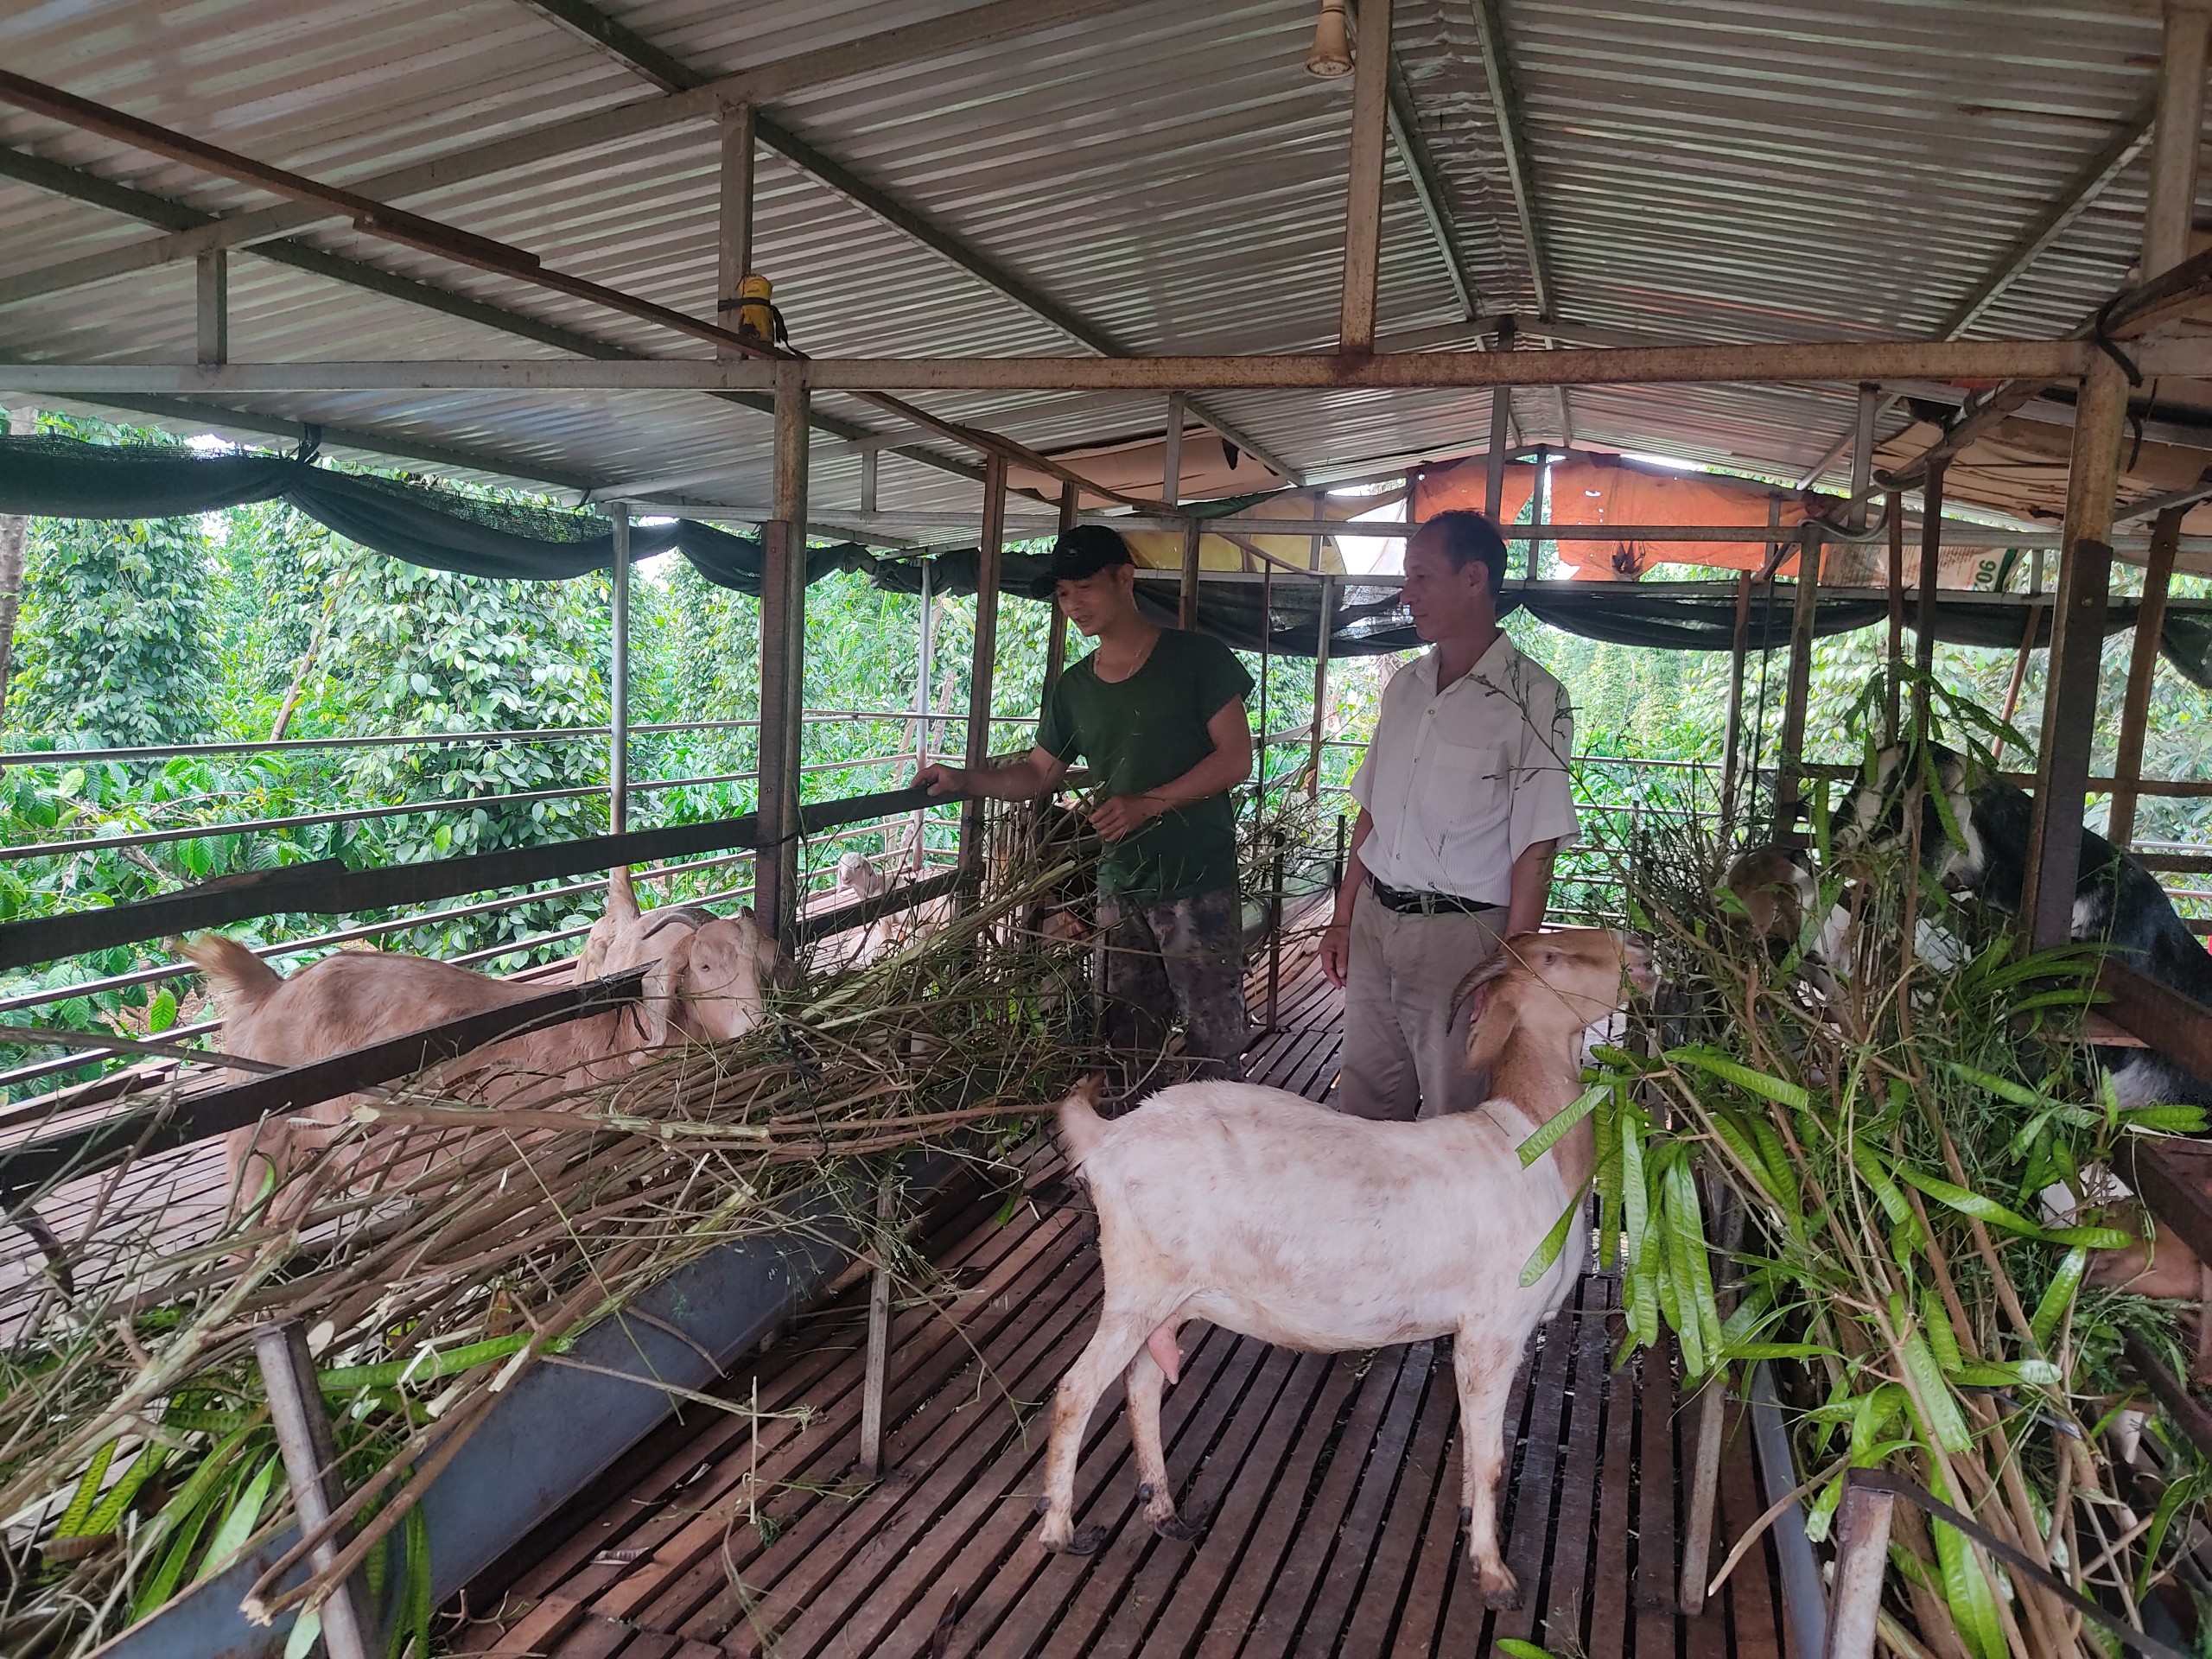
(1608, 490)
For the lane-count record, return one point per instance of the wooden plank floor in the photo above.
(1331, 1482)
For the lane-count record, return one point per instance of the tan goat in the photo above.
(1268, 1215)
(704, 985)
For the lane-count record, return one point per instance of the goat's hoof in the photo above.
(1176, 1529)
(1089, 1542)
(1501, 1592)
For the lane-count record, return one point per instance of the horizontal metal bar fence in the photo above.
(291, 947)
(364, 814)
(422, 739)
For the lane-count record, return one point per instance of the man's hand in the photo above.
(943, 780)
(1336, 951)
(1122, 814)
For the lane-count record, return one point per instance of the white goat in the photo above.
(1262, 1213)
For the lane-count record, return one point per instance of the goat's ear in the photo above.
(1490, 1028)
(621, 897)
(662, 995)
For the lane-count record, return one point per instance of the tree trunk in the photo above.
(307, 665)
(15, 533)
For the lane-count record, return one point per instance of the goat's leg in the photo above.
(1483, 1368)
(1120, 1337)
(1143, 1382)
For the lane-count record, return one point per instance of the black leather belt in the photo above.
(1426, 903)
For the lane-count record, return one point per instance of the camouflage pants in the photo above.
(1171, 956)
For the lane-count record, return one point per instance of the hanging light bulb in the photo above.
(1331, 53)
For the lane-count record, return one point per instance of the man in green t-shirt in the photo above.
(1158, 715)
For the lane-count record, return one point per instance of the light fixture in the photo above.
(1331, 53)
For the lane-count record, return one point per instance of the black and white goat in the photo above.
(2116, 901)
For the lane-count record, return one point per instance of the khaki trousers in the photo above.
(1405, 1053)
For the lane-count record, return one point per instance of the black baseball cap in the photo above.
(1083, 551)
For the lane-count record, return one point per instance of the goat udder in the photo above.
(1162, 1343)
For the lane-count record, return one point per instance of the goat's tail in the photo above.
(241, 979)
(1081, 1128)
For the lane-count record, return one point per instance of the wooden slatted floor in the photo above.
(1331, 1482)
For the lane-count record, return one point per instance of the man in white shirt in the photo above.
(1465, 799)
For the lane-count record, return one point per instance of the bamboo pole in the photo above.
(2142, 673)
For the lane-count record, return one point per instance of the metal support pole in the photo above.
(212, 310)
(1501, 421)
(733, 256)
(2070, 705)
(990, 561)
(1056, 625)
(869, 456)
(1803, 1602)
(1923, 635)
(1266, 652)
(2170, 210)
(2142, 672)
(1862, 452)
(1798, 689)
(1327, 628)
(1336, 858)
(1740, 652)
(875, 1381)
(1171, 454)
(1186, 602)
(310, 1456)
(2069, 728)
(1895, 582)
(1275, 936)
(1370, 109)
(618, 679)
(783, 662)
(924, 668)
(1862, 1557)
(1540, 510)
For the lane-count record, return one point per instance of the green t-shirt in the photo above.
(1144, 731)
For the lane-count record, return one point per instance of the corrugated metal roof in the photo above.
(1168, 172)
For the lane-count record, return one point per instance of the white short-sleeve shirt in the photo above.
(1461, 782)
